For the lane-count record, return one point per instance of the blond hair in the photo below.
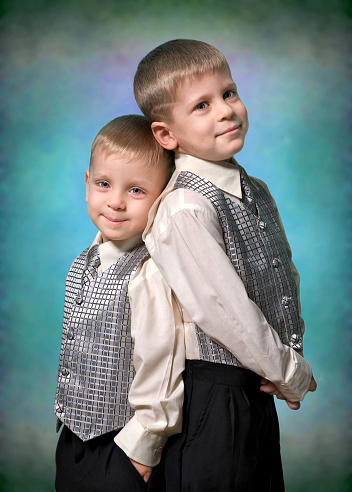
(131, 136)
(163, 69)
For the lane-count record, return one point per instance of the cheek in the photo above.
(244, 114)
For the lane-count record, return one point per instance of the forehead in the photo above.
(204, 81)
(124, 165)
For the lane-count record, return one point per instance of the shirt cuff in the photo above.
(297, 386)
(139, 444)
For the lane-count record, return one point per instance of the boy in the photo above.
(218, 240)
(127, 172)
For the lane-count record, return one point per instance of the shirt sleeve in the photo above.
(187, 245)
(156, 393)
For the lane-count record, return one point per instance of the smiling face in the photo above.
(120, 192)
(208, 119)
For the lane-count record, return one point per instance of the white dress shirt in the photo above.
(184, 238)
(157, 327)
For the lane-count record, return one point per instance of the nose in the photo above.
(116, 201)
(225, 110)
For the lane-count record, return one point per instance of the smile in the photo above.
(114, 221)
(230, 131)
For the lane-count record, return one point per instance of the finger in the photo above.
(293, 405)
(147, 476)
(313, 385)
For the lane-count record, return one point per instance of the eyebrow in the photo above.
(100, 175)
(205, 96)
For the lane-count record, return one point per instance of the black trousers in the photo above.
(98, 465)
(230, 438)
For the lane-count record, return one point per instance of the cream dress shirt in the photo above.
(157, 327)
(184, 238)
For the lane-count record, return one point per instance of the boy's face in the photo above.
(120, 192)
(209, 120)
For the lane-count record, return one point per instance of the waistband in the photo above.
(221, 373)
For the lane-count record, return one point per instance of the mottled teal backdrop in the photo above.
(67, 70)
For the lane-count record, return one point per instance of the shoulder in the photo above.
(257, 181)
(81, 258)
(265, 187)
(181, 209)
(182, 202)
(146, 276)
(184, 198)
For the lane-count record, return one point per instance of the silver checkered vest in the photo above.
(256, 248)
(96, 368)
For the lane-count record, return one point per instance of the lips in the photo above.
(232, 130)
(115, 221)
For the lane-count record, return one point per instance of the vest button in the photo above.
(276, 262)
(79, 298)
(247, 190)
(296, 341)
(262, 225)
(286, 301)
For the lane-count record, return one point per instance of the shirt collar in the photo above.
(223, 174)
(111, 251)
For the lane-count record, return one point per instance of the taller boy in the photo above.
(218, 239)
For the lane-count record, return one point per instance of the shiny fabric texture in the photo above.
(255, 246)
(96, 368)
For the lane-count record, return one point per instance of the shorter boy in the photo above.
(217, 237)
(111, 279)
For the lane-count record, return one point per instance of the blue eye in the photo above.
(103, 184)
(136, 191)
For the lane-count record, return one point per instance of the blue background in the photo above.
(67, 70)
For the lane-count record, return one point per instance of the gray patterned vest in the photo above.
(96, 368)
(255, 246)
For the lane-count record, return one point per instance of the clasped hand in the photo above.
(270, 388)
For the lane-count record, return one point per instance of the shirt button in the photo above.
(286, 301)
(276, 262)
(65, 372)
(70, 335)
(262, 225)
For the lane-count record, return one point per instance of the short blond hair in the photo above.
(131, 136)
(164, 68)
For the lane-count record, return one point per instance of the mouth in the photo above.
(111, 220)
(232, 130)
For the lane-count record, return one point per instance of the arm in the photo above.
(186, 243)
(157, 389)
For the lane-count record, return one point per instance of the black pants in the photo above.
(98, 465)
(230, 438)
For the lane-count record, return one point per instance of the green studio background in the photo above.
(67, 70)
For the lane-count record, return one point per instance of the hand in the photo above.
(144, 470)
(270, 388)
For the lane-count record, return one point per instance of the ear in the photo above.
(86, 179)
(163, 135)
